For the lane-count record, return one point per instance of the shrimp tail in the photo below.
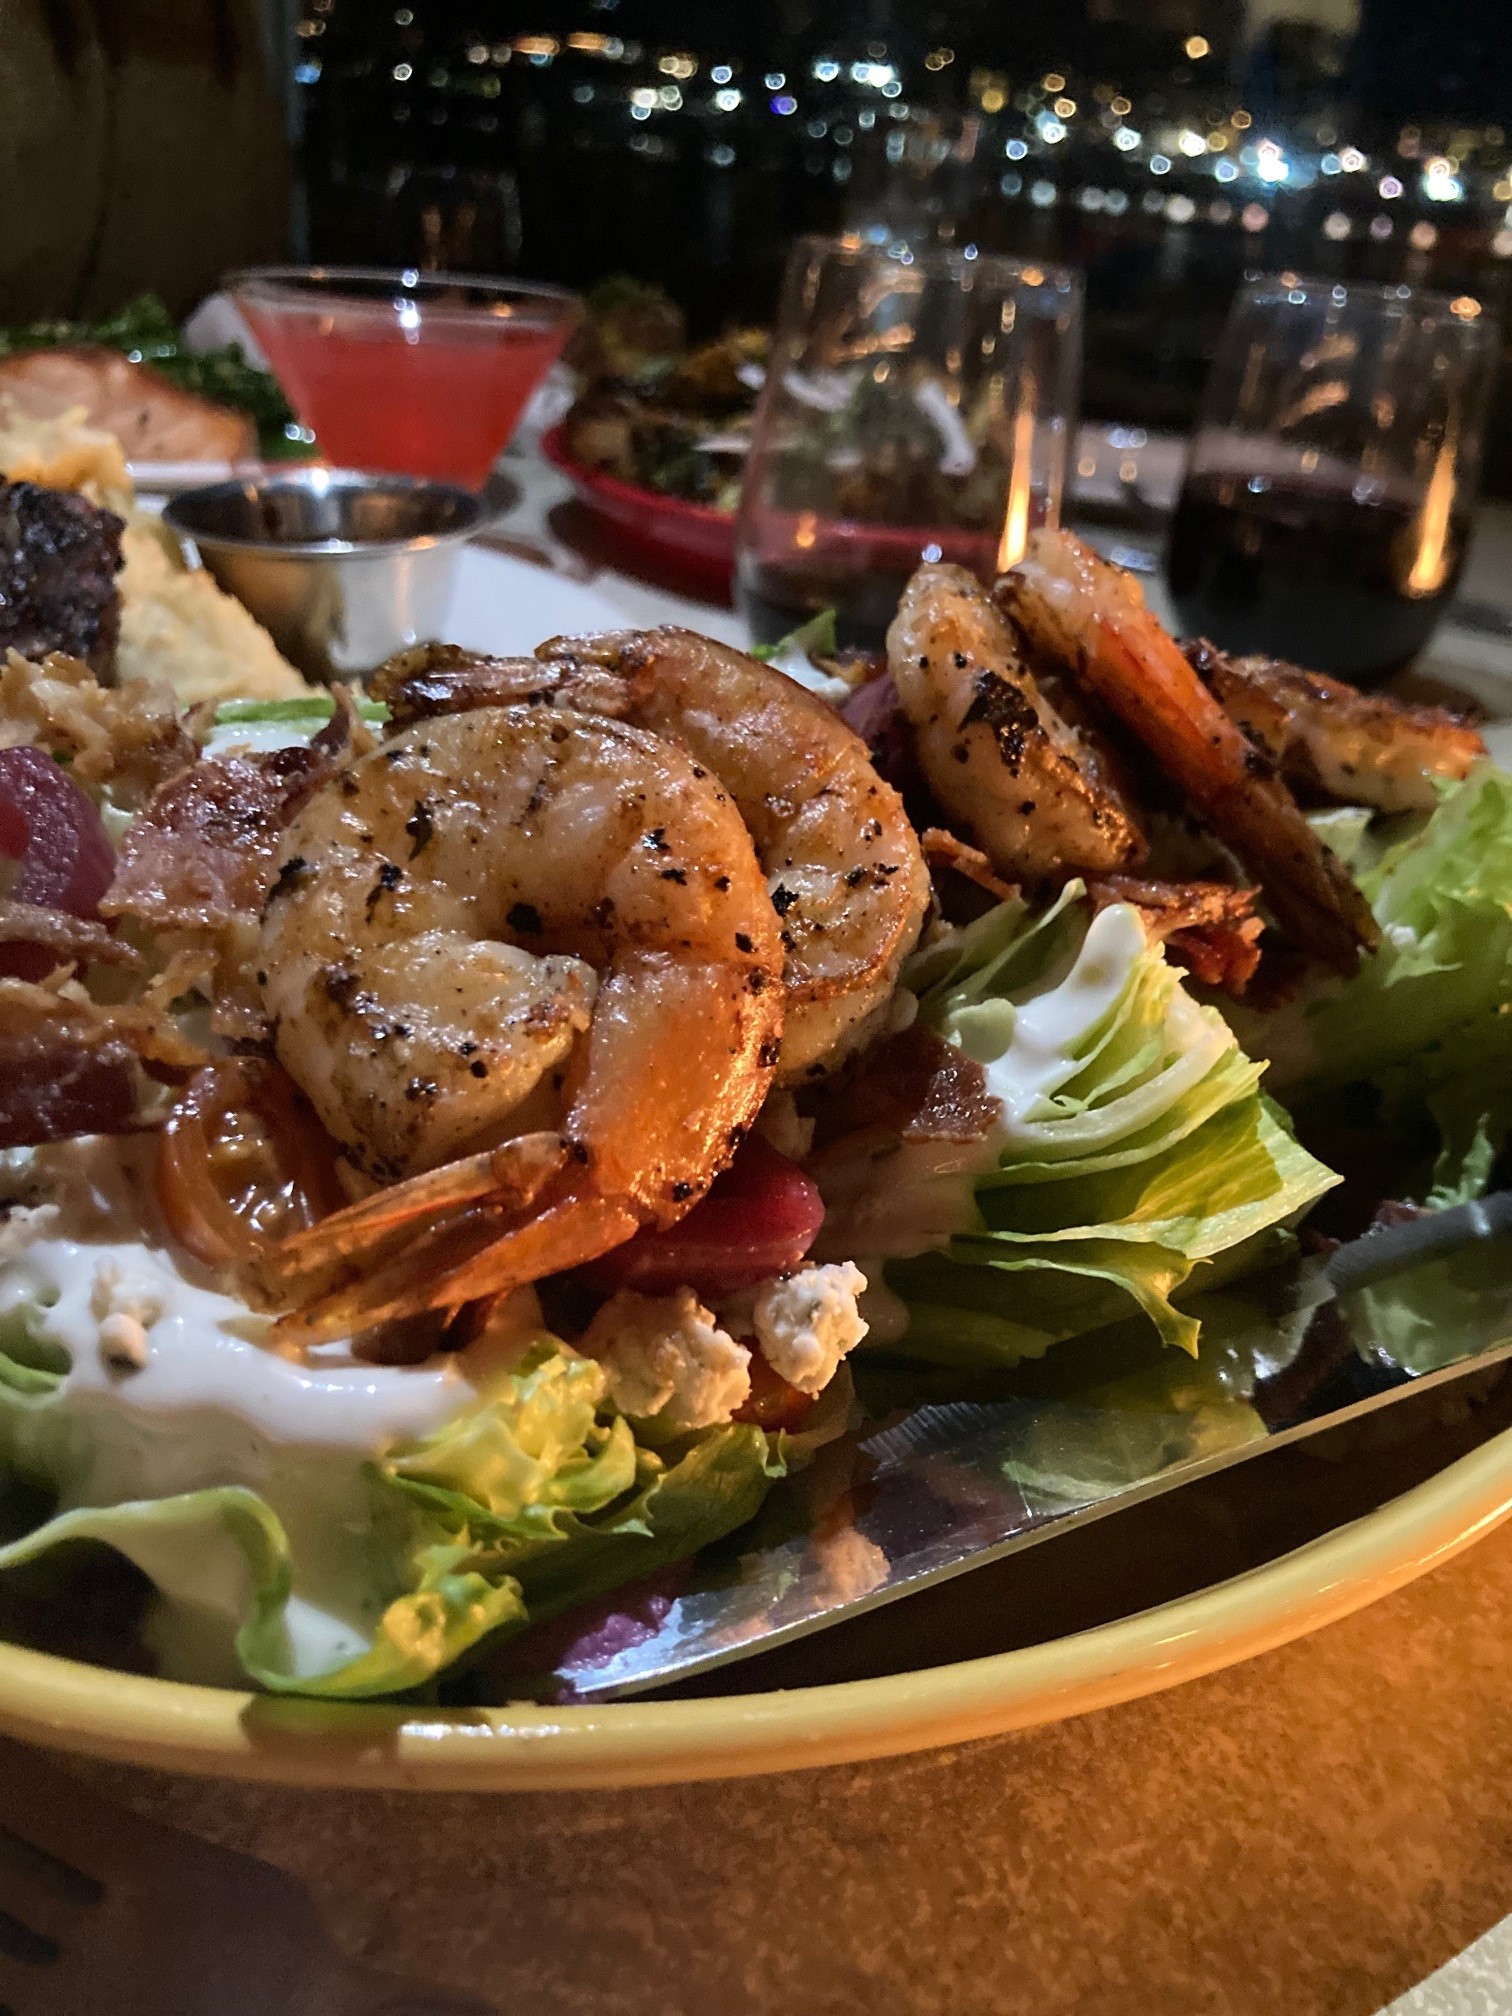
(1310, 892)
(476, 1256)
(511, 1177)
(1091, 618)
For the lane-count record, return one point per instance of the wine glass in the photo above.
(422, 374)
(1331, 483)
(919, 404)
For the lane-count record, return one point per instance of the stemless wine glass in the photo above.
(423, 374)
(919, 404)
(1329, 492)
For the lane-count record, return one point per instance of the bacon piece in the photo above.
(69, 940)
(52, 1087)
(920, 1087)
(130, 737)
(1209, 927)
(201, 853)
(64, 1070)
(876, 714)
(943, 850)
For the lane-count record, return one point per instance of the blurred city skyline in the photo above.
(1162, 145)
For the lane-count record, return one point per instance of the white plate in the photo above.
(507, 606)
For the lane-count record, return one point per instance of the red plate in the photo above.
(666, 533)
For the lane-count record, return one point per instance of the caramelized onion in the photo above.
(242, 1162)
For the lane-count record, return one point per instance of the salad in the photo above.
(462, 1144)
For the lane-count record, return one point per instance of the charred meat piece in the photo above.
(431, 679)
(59, 557)
(1208, 927)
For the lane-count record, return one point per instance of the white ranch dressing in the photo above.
(211, 1405)
(914, 1197)
(1048, 1031)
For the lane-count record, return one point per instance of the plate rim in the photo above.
(92, 1711)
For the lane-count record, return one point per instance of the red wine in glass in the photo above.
(1320, 568)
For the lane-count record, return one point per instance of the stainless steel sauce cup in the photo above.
(341, 568)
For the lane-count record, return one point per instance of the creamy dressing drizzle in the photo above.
(1049, 1030)
(213, 1405)
(914, 1197)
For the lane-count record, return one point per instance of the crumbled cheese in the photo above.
(850, 1565)
(125, 1312)
(665, 1355)
(123, 1343)
(807, 1322)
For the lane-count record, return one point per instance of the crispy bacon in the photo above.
(943, 850)
(60, 1077)
(69, 1065)
(201, 854)
(70, 940)
(130, 737)
(917, 1085)
(1209, 927)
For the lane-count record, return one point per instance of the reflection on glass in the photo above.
(919, 405)
(1328, 498)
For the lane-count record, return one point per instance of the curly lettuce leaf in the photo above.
(1142, 1151)
(534, 1498)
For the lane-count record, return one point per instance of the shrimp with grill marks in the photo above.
(1333, 741)
(524, 962)
(844, 869)
(1090, 617)
(1008, 770)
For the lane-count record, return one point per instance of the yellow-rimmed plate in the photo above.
(213, 1732)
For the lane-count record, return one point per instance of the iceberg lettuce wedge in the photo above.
(1136, 1147)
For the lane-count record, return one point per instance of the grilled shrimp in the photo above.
(845, 871)
(1090, 617)
(1335, 741)
(998, 757)
(525, 962)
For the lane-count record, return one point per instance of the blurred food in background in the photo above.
(72, 535)
(133, 375)
(1163, 150)
(653, 411)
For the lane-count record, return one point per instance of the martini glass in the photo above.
(423, 374)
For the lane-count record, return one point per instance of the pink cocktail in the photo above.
(423, 374)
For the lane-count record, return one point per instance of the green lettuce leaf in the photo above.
(1149, 1161)
(534, 1498)
(1428, 1018)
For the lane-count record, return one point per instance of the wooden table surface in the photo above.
(1312, 1832)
